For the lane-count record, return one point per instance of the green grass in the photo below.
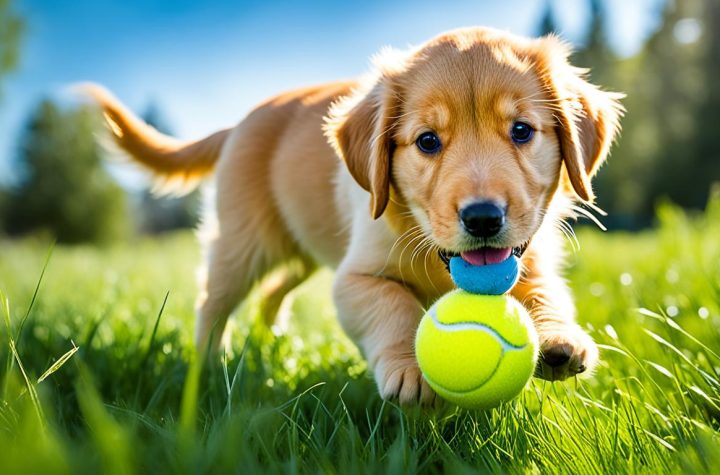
(133, 397)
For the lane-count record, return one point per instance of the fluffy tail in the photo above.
(176, 164)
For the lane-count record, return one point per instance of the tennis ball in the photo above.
(476, 351)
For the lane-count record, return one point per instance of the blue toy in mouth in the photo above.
(488, 279)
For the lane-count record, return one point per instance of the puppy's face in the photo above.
(475, 131)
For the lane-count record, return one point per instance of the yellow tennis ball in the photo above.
(476, 351)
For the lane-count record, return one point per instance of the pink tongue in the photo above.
(486, 255)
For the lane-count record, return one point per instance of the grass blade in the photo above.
(30, 387)
(59, 363)
(148, 352)
(35, 293)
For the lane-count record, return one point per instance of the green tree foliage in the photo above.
(63, 189)
(623, 187)
(11, 29)
(656, 156)
(166, 213)
(596, 53)
(548, 24)
(668, 147)
(704, 163)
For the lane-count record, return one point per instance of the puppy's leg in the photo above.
(279, 283)
(381, 316)
(238, 257)
(232, 270)
(246, 233)
(565, 348)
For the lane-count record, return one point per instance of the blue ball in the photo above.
(490, 279)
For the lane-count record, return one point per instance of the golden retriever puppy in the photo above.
(474, 143)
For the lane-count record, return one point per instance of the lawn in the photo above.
(100, 375)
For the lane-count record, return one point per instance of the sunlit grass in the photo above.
(100, 376)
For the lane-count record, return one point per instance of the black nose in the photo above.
(482, 219)
(557, 355)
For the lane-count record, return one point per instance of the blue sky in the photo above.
(206, 63)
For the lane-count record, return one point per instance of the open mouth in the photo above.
(484, 255)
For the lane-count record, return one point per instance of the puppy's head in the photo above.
(476, 131)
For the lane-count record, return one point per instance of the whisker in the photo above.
(411, 242)
(424, 246)
(596, 208)
(420, 247)
(405, 235)
(569, 233)
(390, 127)
(416, 253)
(432, 247)
(589, 215)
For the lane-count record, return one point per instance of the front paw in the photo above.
(565, 351)
(399, 378)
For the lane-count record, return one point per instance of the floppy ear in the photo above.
(588, 119)
(360, 128)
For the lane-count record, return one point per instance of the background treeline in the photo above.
(63, 187)
(670, 143)
(669, 148)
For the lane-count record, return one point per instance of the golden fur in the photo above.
(285, 202)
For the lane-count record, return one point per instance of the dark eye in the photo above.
(428, 142)
(521, 132)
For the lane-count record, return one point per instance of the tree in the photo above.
(668, 146)
(11, 29)
(623, 186)
(166, 213)
(706, 148)
(63, 188)
(666, 149)
(595, 52)
(607, 70)
(548, 24)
